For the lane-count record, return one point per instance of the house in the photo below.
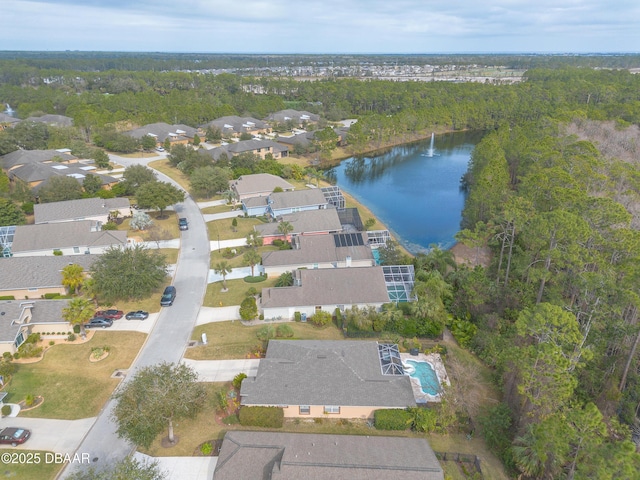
(35, 167)
(303, 139)
(296, 118)
(34, 277)
(258, 185)
(96, 209)
(176, 134)
(69, 238)
(258, 147)
(53, 120)
(7, 121)
(327, 379)
(308, 222)
(338, 250)
(18, 319)
(327, 290)
(283, 203)
(291, 456)
(234, 126)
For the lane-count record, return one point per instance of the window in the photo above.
(315, 266)
(305, 410)
(318, 308)
(19, 340)
(76, 249)
(331, 409)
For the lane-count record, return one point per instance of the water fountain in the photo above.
(9, 111)
(430, 152)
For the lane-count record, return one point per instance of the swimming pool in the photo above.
(424, 373)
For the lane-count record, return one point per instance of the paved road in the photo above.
(170, 334)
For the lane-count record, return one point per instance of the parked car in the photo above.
(14, 436)
(112, 314)
(168, 296)
(138, 315)
(159, 149)
(183, 224)
(99, 322)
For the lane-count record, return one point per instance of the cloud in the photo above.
(315, 26)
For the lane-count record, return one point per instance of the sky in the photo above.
(322, 26)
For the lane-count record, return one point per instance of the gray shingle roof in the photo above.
(292, 456)
(43, 311)
(38, 272)
(316, 372)
(259, 183)
(61, 235)
(244, 146)
(51, 119)
(316, 249)
(235, 124)
(162, 131)
(297, 116)
(297, 198)
(330, 286)
(77, 209)
(23, 157)
(307, 221)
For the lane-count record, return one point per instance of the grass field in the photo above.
(236, 292)
(225, 230)
(163, 166)
(238, 260)
(71, 385)
(41, 469)
(164, 228)
(233, 340)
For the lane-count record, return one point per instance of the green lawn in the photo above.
(71, 385)
(40, 468)
(165, 228)
(218, 208)
(238, 260)
(237, 289)
(223, 228)
(230, 340)
(165, 167)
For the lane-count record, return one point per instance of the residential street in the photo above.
(168, 337)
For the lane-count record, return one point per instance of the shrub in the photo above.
(297, 316)
(71, 337)
(6, 356)
(51, 296)
(7, 368)
(269, 417)
(321, 318)
(221, 400)
(256, 279)
(237, 380)
(284, 330)
(52, 343)
(463, 331)
(391, 419)
(206, 448)
(228, 253)
(251, 292)
(6, 410)
(76, 329)
(278, 243)
(29, 399)
(248, 309)
(29, 350)
(7, 297)
(265, 333)
(57, 253)
(16, 355)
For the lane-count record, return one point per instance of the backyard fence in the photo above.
(460, 457)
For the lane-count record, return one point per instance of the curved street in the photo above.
(172, 330)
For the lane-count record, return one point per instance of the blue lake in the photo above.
(416, 196)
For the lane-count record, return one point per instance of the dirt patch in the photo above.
(464, 255)
(37, 401)
(166, 443)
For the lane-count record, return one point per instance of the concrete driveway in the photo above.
(223, 370)
(59, 436)
(144, 326)
(183, 468)
(218, 314)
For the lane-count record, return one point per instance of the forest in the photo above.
(553, 193)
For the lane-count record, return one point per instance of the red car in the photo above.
(112, 314)
(14, 436)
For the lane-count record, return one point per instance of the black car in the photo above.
(168, 296)
(99, 322)
(183, 224)
(14, 436)
(138, 315)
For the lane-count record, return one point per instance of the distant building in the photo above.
(235, 126)
(53, 120)
(258, 185)
(258, 147)
(96, 209)
(160, 132)
(299, 118)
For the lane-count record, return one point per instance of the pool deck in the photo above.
(436, 362)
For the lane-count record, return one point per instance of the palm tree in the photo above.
(229, 196)
(285, 228)
(222, 268)
(252, 257)
(254, 239)
(72, 277)
(78, 311)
